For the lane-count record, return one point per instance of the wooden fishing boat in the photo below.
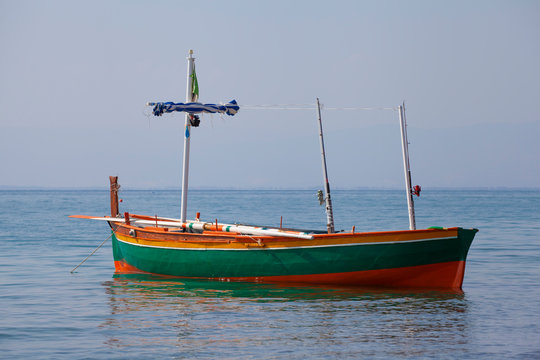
(429, 258)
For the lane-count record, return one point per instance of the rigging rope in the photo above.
(312, 107)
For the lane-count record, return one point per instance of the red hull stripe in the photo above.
(447, 275)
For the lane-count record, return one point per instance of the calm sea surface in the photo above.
(49, 313)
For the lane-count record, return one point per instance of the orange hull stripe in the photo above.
(122, 267)
(447, 275)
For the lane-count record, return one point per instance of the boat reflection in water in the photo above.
(200, 318)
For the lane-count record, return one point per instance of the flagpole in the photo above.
(187, 136)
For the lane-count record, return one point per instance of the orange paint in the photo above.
(142, 217)
(220, 233)
(122, 267)
(152, 228)
(176, 239)
(447, 275)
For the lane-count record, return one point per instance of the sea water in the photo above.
(49, 313)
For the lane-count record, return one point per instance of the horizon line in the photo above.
(254, 188)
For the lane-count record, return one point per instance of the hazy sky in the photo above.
(75, 75)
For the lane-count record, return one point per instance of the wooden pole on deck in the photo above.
(406, 165)
(329, 212)
(114, 195)
(187, 137)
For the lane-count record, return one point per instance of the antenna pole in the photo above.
(406, 165)
(187, 136)
(329, 213)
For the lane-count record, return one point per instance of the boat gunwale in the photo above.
(216, 237)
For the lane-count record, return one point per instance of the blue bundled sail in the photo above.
(230, 108)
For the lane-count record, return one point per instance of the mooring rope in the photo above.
(100, 245)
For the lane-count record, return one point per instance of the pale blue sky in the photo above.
(75, 75)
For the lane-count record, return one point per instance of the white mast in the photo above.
(406, 165)
(329, 212)
(187, 136)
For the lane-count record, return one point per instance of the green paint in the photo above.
(269, 262)
(194, 86)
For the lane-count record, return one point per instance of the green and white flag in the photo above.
(194, 86)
